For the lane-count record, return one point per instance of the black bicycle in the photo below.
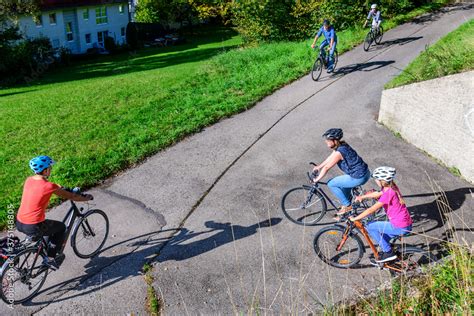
(25, 270)
(306, 204)
(322, 61)
(374, 35)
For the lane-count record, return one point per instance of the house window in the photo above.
(122, 31)
(101, 36)
(38, 20)
(85, 14)
(101, 15)
(88, 38)
(52, 18)
(69, 36)
(121, 8)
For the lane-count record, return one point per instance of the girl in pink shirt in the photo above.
(399, 220)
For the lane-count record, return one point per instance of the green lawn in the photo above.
(99, 117)
(452, 54)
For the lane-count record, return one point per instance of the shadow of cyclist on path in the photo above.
(226, 233)
(98, 274)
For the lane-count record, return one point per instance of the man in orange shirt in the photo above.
(31, 217)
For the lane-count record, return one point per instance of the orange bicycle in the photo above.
(341, 246)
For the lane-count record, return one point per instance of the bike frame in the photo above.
(69, 220)
(317, 188)
(361, 228)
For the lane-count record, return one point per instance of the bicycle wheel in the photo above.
(317, 69)
(335, 59)
(378, 38)
(411, 261)
(368, 41)
(90, 234)
(303, 206)
(328, 239)
(22, 276)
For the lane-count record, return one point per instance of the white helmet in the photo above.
(384, 173)
(373, 6)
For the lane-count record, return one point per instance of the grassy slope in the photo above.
(451, 54)
(96, 118)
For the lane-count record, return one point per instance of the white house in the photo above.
(78, 25)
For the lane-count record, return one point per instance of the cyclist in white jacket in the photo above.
(376, 17)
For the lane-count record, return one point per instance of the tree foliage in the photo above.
(270, 20)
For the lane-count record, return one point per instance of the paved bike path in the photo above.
(230, 177)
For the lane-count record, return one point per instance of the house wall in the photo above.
(57, 33)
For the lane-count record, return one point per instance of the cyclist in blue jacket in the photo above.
(330, 38)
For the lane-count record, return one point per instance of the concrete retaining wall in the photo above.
(436, 116)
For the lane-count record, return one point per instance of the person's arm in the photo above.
(322, 164)
(368, 18)
(374, 208)
(332, 42)
(316, 38)
(72, 196)
(333, 159)
(371, 195)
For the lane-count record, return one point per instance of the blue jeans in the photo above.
(341, 186)
(331, 52)
(382, 232)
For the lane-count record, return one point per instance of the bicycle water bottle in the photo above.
(76, 190)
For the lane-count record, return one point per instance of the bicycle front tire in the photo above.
(303, 207)
(368, 41)
(327, 241)
(21, 276)
(317, 69)
(90, 233)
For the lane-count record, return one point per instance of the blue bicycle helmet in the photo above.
(326, 22)
(40, 163)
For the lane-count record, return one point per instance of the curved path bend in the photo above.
(206, 211)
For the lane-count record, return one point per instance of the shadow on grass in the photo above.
(15, 93)
(97, 276)
(141, 60)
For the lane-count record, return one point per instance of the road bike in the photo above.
(25, 270)
(307, 204)
(374, 35)
(341, 246)
(322, 61)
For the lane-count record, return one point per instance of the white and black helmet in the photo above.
(384, 173)
(333, 133)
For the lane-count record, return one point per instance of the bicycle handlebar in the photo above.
(77, 190)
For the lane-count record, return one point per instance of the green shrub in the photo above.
(275, 20)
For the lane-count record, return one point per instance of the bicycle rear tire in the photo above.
(88, 230)
(19, 266)
(328, 239)
(368, 41)
(378, 38)
(303, 207)
(317, 69)
(411, 261)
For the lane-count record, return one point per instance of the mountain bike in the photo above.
(374, 35)
(341, 246)
(24, 271)
(307, 204)
(322, 61)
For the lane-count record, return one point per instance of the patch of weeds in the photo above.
(153, 302)
(455, 171)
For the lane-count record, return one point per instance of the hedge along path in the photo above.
(97, 118)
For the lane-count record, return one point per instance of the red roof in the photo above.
(57, 4)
